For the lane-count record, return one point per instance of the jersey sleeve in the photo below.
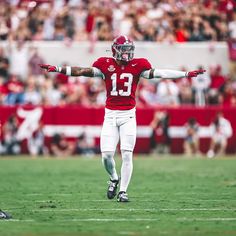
(99, 63)
(145, 64)
(98, 66)
(145, 67)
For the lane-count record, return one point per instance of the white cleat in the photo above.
(122, 197)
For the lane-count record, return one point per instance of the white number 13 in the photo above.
(127, 84)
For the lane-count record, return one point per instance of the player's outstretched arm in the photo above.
(170, 74)
(72, 71)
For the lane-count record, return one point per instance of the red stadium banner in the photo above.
(73, 120)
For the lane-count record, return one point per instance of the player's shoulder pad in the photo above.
(140, 60)
(143, 63)
(100, 62)
(104, 59)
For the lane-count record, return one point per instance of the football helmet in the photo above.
(123, 48)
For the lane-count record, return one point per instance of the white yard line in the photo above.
(17, 220)
(138, 200)
(148, 219)
(87, 220)
(134, 209)
(124, 219)
(111, 219)
(172, 200)
(206, 219)
(55, 194)
(127, 233)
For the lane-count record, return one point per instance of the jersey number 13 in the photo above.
(127, 84)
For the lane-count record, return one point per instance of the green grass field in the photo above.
(168, 196)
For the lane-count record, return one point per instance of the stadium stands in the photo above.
(181, 21)
(173, 22)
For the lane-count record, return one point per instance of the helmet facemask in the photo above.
(123, 52)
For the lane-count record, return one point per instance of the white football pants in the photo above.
(118, 125)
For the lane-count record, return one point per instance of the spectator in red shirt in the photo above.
(217, 78)
(217, 83)
(15, 89)
(181, 33)
(229, 94)
(90, 20)
(227, 6)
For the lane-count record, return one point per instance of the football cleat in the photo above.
(4, 215)
(122, 197)
(112, 188)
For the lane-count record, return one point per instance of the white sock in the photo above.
(109, 164)
(126, 169)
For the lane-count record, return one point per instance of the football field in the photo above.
(168, 196)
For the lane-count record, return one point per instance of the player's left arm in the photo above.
(169, 74)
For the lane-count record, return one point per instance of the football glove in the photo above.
(195, 73)
(50, 68)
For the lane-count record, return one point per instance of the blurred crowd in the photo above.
(193, 143)
(23, 82)
(147, 20)
(42, 88)
(76, 20)
(54, 89)
(219, 131)
(36, 143)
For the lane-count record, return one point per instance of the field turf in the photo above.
(168, 196)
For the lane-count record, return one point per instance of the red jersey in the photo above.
(121, 81)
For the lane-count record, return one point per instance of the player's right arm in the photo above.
(73, 70)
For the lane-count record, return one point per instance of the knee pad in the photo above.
(127, 156)
(107, 156)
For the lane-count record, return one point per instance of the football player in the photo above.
(121, 74)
